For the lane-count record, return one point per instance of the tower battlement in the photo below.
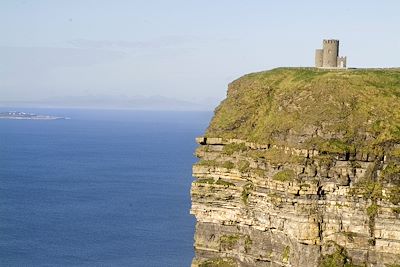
(330, 41)
(328, 56)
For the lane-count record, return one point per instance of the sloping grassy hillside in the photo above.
(306, 107)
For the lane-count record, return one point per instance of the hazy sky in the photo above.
(184, 49)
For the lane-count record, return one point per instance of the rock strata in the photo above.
(290, 202)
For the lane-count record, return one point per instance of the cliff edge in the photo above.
(301, 167)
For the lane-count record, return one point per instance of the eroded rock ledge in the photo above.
(268, 205)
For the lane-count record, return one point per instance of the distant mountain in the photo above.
(117, 102)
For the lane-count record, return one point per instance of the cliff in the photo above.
(301, 167)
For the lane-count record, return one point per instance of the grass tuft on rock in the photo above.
(284, 176)
(219, 262)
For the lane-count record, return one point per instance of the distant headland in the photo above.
(16, 115)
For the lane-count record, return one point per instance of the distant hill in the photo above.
(117, 102)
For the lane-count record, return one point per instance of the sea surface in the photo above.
(105, 188)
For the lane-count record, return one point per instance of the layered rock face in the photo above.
(311, 195)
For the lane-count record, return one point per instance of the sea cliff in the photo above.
(301, 167)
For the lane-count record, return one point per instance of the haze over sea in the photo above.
(106, 188)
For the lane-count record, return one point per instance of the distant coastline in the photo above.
(16, 115)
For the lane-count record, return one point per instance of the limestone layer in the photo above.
(268, 205)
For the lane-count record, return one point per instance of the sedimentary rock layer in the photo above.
(262, 205)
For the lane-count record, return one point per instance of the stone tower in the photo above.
(318, 58)
(328, 56)
(330, 53)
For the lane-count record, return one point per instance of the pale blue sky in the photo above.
(184, 49)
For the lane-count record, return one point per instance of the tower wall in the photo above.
(330, 53)
(318, 58)
(342, 62)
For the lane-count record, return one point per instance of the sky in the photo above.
(182, 49)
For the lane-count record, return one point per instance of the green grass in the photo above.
(212, 181)
(205, 181)
(284, 176)
(395, 153)
(259, 172)
(247, 243)
(268, 107)
(372, 189)
(275, 156)
(210, 163)
(372, 210)
(229, 149)
(247, 188)
(219, 262)
(394, 195)
(228, 165)
(392, 172)
(224, 183)
(285, 254)
(229, 241)
(338, 258)
(334, 146)
(243, 166)
(214, 163)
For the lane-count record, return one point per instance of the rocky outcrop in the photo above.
(268, 205)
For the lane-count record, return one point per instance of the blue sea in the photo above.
(105, 188)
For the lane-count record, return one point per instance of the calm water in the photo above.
(106, 188)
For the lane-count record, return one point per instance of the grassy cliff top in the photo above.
(308, 107)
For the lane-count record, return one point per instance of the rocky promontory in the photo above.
(301, 167)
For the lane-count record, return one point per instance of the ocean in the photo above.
(105, 188)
